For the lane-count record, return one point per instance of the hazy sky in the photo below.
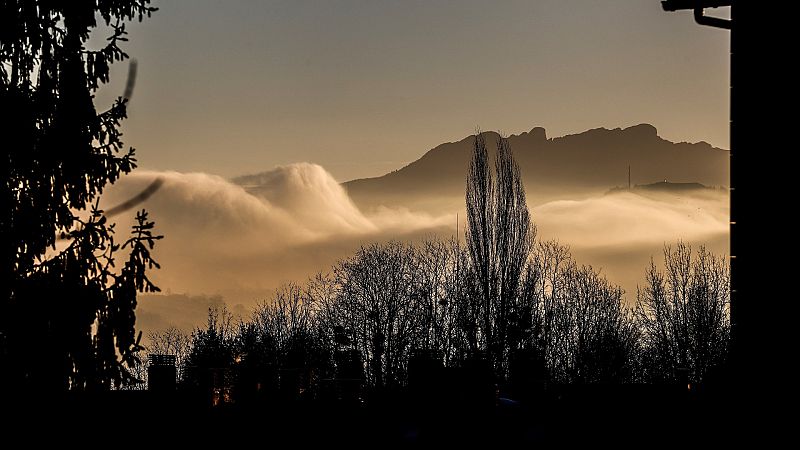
(364, 87)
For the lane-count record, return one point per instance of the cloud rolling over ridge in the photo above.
(242, 242)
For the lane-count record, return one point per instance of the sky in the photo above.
(364, 87)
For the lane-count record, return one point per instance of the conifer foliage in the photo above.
(67, 317)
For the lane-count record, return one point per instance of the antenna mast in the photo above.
(629, 177)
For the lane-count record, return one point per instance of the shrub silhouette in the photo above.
(684, 315)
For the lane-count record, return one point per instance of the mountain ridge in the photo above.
(593, 159)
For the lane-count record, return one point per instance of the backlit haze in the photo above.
(311, 94)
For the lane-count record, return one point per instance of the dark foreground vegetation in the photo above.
(620, 415)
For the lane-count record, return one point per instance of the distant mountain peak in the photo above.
(536, 133)
(643, 129)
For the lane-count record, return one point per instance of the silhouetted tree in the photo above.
(390, 300)
(596, 338)
(480, 238)
(286, 331)
(213, 347)
(684, 314)
(499, 238)
(439, 292)
(378, 302)
(66, 319)
(578, 323)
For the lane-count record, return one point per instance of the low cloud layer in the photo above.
(239, 240)
(630, 219)
(619, 233)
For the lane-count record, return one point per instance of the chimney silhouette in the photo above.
(161, 373)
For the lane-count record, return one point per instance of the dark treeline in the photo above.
(392, 301)
(503, 300)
